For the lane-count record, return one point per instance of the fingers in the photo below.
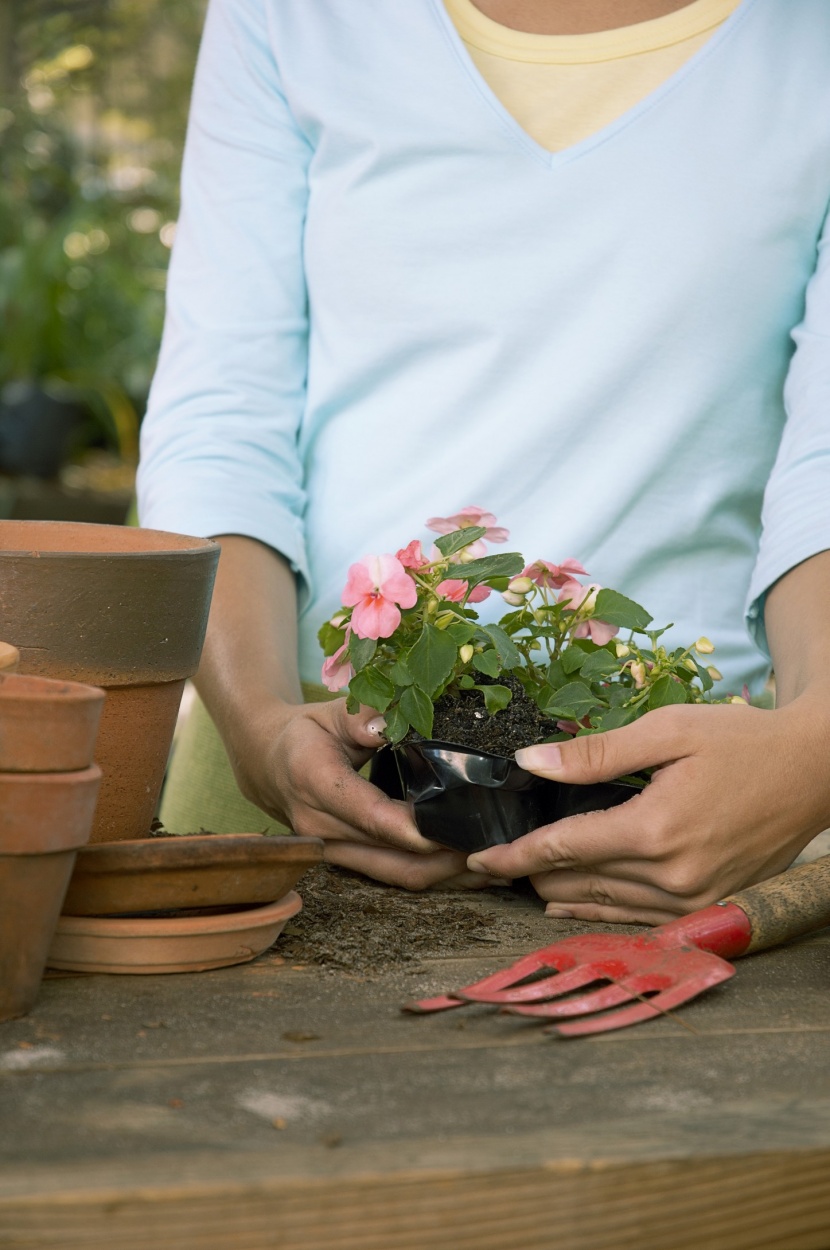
(363, 730)
(341, 805)
(411, 872)
(664, 735)
(593, 896)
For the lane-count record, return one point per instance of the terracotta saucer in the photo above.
(211, 870)
(181, 943)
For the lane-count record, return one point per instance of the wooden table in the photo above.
(275, 1107)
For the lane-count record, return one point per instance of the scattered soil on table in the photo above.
(349, 922)
(461, 717)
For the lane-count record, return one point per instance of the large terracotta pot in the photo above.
(122, 608)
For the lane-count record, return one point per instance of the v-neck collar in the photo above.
(606, 133)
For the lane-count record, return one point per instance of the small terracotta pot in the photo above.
(47, 726)
(9, 657)
(216, 870)
(121, 608)
(182, 943)
(44, 818)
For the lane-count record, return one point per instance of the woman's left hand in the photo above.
(736, 794)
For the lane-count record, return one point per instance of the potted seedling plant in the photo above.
(460, 695)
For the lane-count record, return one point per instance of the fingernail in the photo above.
(558, 913)
(475, 864)
(547, 756)
(376, 726)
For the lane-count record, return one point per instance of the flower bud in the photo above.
(338, 620)
(515, 601)
(638, 672)
(444, 619)
(703, 646)
(466, 652)
(464, 556)
(590, 601)
(520, 585)
(736, 698)
(690, 664)
(432, 607)
(714, 673)
(622, 650)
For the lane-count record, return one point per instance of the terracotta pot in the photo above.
(216, 870)
(121, 608)
(44, 818)
(182, 943)
(47, 726)
(9, 657)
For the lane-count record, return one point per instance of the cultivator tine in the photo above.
(547, 957)
(587, 1004)
(549, 987)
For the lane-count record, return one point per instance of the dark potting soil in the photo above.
(351, 923)
(461, 717)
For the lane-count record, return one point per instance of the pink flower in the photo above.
(544, 573)
(338, 672)
(411, 556)
(375, 585)
(585, 597)
(455, 590)
(467, 517)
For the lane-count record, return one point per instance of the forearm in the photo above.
(797, 618)
(249, 662)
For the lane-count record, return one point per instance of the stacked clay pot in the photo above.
(122, 608)
(48, 789)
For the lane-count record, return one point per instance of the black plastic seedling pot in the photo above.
(469, 800)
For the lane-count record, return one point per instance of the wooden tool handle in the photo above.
(796, 902)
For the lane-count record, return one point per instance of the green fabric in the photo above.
(200, 791)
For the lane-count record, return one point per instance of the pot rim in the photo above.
(188, 544)
(70, 776)
(106, 858)
(125, 927)
(26, 688)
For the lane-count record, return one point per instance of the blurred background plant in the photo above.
(93, 106)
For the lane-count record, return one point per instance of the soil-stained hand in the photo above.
(738, 792)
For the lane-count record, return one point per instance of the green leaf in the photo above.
(487, 662)
(399, 673)
(616, 718)
(371, 688)
(573, 701)
(352, 704)
(572, 659)
(600, 664)
(418, 710)
(556, 674)
(513, 621)
(330, 638)
(615, 609)
(496, 698)
(466, 682)
(361, 651)
(666, 691)
(397, 726)
(705, 677)
(461, 632)
(508, 652)
(448, 544)
(432, 659)
(508, 564)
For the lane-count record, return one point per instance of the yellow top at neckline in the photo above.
(483, 33)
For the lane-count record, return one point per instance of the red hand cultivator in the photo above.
(647, 975)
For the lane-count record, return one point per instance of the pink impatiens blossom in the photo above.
(544, 573)
(337, 671)
(454, 589)
(412, 556)
(467, 517)
(377, 586)
(599, 632)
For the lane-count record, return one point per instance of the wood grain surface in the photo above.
(278, 1107)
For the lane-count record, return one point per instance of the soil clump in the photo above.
(350, 923)
(461, 717)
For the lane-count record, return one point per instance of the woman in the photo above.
(546, 256)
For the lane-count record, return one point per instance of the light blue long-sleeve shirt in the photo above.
(386, 302)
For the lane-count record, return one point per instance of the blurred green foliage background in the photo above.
(93, 107)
